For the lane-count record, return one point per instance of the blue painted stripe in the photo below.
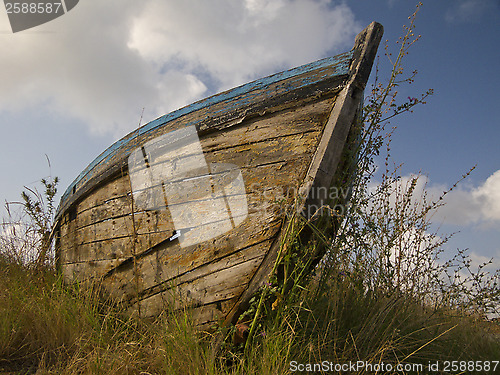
(340, 63)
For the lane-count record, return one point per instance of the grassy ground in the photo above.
(46, 328)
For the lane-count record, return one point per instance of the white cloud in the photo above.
(78, 66)
(391, 3)
(464, 205)
(473, 205)
(104, 61)
(488, 197)
(469, 10)
(234, 41)
(478, 260)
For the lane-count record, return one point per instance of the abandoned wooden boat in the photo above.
(189, 205)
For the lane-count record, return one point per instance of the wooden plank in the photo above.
(86, 271)
(158, 276)
(145, 222)
(270, 154)
(265, 186)
(291, 122)
(116, 188)
(249, 232)
(105, 210)
(113, 248)
(121, 206)
(158, 268)
(224, 284)
(209, 316)
(264, 204)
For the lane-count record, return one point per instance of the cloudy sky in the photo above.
(71, 87)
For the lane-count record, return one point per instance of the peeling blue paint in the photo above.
(339, 63)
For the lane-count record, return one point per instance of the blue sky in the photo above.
(73, 86)
(459, 127)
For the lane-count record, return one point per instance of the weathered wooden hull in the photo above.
(189, 208)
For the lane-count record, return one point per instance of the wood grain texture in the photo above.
(216, 118)
(105, 239)
(271, 162)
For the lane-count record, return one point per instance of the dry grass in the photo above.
(47, 328)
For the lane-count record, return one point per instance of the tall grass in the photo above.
(48, 328)
(381, 295)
